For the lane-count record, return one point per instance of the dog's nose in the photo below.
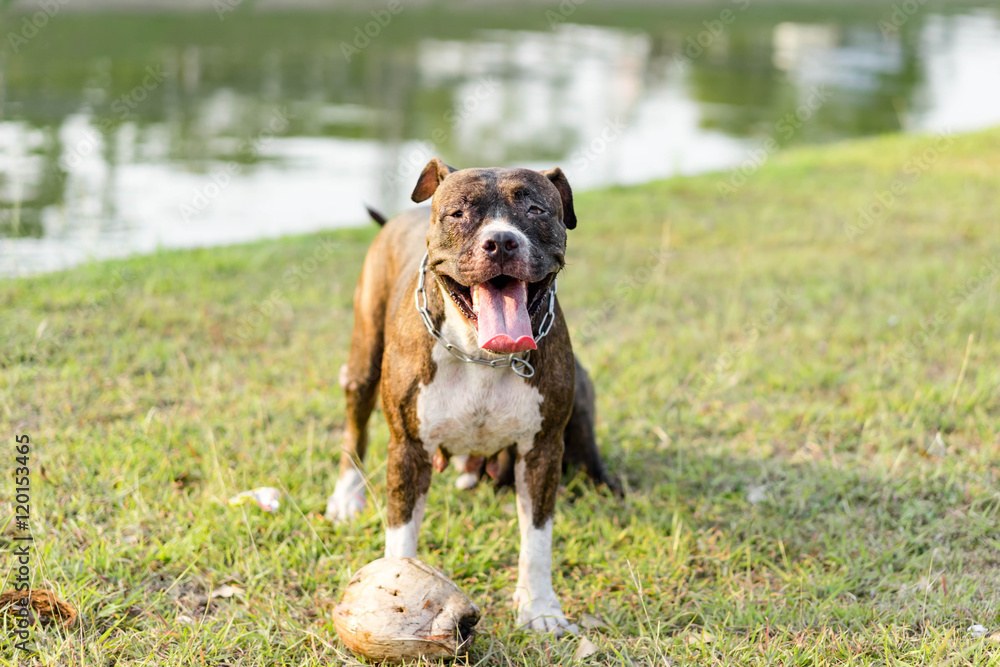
(500, 245)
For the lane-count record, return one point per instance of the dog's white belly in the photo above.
(473, 409)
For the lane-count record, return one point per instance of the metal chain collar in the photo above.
(518, 364)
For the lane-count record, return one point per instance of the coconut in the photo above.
(396, 609)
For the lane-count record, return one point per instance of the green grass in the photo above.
(743, 348)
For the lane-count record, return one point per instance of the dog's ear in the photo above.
(430, 179)
(558, 179)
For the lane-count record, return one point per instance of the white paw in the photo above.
(348, 497)
(543, 614)
(466, 481)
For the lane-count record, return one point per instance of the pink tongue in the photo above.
(504, 325)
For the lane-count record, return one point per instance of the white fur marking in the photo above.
(401, 541)
(503, 225)
(466, 481)
(536, 601)
(348, 497)
(473, 409)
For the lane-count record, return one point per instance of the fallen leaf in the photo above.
(936, 448)
(703, 637)
(977, 631)
(131, 534)
(226, 591)
(184, 619)
(44, 603)
(585, 649)
(756, 494)
(664, 442)
(590, 622)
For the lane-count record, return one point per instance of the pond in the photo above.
(125, 132)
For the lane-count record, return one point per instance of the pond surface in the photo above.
(121, 133)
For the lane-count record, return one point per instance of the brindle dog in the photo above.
(486, 371)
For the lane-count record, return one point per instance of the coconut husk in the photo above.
(45, 604)
(396, 609)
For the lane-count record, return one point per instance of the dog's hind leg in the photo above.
(579, 439)
(359, 379)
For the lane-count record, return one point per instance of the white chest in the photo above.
(473, 409)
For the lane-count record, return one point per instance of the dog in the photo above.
(456, 320)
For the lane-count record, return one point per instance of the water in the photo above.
(121, 133)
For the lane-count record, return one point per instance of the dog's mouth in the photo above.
(501, 310)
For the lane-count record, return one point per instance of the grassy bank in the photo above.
(804, 406)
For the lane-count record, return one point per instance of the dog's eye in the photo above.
(456, 214)
(534, 210)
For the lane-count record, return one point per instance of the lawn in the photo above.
(803, 403)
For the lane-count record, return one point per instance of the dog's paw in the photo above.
(348, 497)
(468, 469)
(543, 614)
(466, 481)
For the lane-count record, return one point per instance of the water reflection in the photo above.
(125, 134)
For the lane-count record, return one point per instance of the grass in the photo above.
(769, 389)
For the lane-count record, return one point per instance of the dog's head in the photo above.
(496, 240)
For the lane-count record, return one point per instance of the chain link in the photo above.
(518, 364)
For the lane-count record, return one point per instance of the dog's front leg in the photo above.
(536, 475)
(409, 477)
